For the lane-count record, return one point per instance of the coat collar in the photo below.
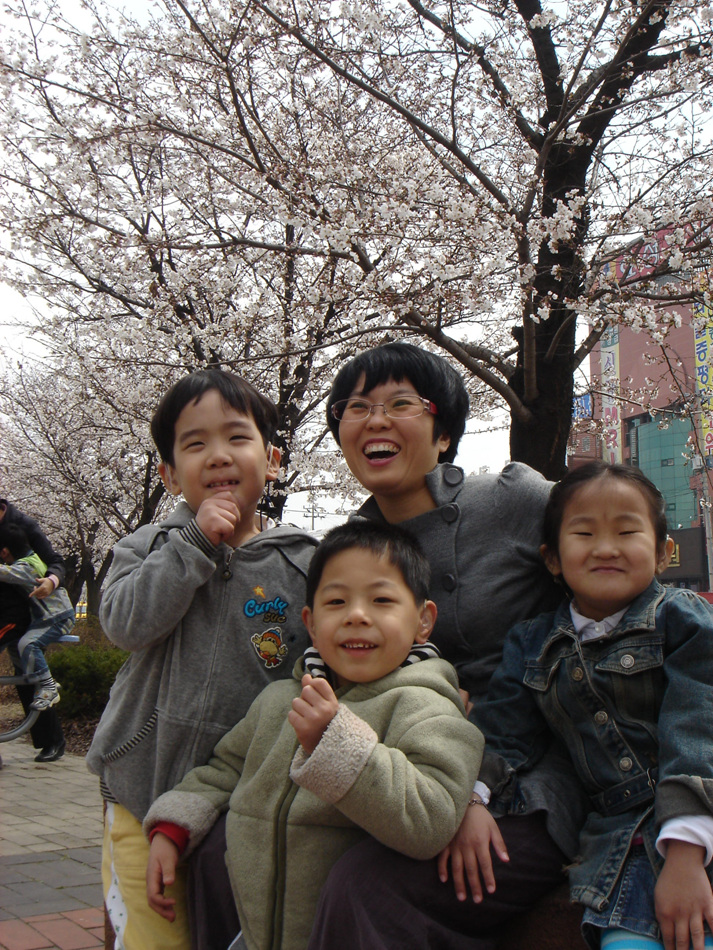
(444, 482)
(640, 615)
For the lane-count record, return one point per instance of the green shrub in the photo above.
(85, 674)
(90, 633)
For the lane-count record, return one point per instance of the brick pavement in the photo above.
(50, 853)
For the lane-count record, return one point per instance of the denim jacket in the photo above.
(635, 711)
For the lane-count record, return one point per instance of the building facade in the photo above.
(650, 407)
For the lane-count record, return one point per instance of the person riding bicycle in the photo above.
(51, 618)
(47, 733)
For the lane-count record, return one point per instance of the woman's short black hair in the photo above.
(432, 376)
(575, 479)
(397, 545)
(235, 391)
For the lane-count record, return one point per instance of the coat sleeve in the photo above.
(151, 585)
(685, 785)
(411, 795)
(204, 793)
(516, 733)
(20, 574)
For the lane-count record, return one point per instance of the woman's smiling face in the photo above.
(391, 457)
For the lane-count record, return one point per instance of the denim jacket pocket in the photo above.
(632, 674)
(538, 676)
(631, 658)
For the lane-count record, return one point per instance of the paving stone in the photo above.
(87, 917)
(9, 874)
(17, 935)
(65, 934)
(90, 895)
(56, 904)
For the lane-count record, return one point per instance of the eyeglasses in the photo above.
(356, 408)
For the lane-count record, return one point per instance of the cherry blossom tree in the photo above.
(75, 460)
(272, 186)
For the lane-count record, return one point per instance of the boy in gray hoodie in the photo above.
(208, 603)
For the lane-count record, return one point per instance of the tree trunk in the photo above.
(542, 443)
(548, 394)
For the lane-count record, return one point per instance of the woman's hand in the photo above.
(683, 897)
(470, 850)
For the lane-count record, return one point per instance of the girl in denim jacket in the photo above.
(623, 673)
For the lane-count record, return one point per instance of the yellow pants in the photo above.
(125, 854)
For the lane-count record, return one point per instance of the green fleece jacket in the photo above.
(398, 762)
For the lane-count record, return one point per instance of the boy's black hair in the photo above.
(237, 392)
(398, 546)
(432, 377)
(14, 538)
(575, 479)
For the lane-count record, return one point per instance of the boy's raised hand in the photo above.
(469, 854)
(218, 516)
(312, 711)
(683, 897)
(160, 874)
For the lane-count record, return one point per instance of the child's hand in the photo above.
(313, 711)
(470, 850)
(683, 897)
(218, 517)
(43, 588)
(160, 874)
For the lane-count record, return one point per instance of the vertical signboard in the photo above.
(611, 435)
(704, 369)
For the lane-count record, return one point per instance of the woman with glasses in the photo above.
(398, 413)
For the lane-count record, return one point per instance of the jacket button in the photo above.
(453, 476)
(627, 661)
(601, 717)
(577, 674)
(625, 764)
(449, 582)
(450, 513)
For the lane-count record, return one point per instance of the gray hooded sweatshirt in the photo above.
(208, 628)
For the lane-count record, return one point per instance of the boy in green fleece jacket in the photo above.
(369, 737)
